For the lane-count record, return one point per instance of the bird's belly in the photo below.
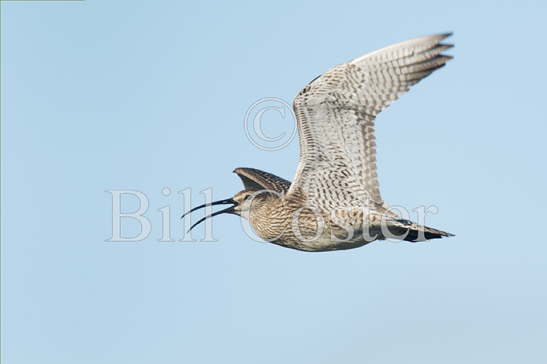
(325, 242)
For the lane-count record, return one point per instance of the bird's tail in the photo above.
(410, 231)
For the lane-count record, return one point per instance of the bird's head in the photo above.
(247, 200)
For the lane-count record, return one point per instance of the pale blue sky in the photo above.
(101, 95)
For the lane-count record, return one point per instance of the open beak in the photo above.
(220, 202)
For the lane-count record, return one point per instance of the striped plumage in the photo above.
(336, 115)
(336, 183)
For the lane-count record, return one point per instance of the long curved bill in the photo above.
(220, 202)
(225, 211)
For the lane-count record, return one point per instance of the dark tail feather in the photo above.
(409, 231)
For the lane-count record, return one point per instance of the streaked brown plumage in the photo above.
(334, 201)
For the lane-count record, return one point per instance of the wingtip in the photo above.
(447, 34)
(437, 37)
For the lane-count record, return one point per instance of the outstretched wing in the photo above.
(336, 113)
(257, 180)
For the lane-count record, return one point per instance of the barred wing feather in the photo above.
(336, 113)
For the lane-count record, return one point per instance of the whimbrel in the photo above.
(334, 200)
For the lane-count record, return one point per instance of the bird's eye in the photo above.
(248, 197)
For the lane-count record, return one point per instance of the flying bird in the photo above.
(334, 200)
